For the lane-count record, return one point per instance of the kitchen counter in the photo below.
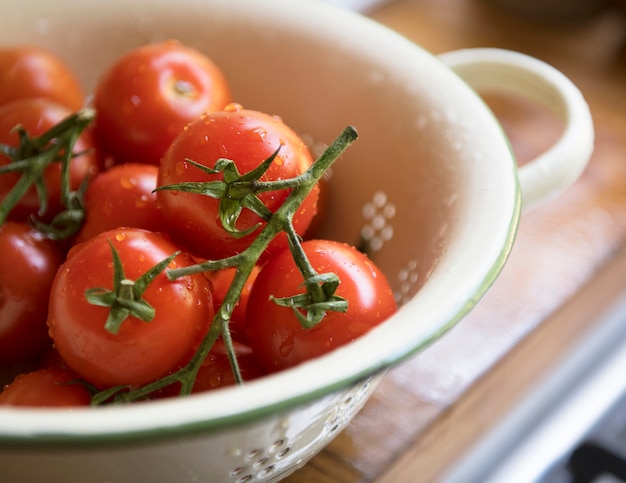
(569, 260)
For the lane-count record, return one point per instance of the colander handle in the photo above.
(551, 172)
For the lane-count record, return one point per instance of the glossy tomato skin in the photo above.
(28, 265)
(122, 196)
(49, 387)
(274, 333)
(141, 351)
(37, 116)
(28, 71)
(216, 372)
(248, 138)
(148, 96)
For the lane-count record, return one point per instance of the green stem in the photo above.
(281, 220)
(34, 155)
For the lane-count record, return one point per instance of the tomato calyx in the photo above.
(319, 298)
(124, 300)
(235, 191)
(32, 156)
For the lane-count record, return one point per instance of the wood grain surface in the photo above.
(567, 263)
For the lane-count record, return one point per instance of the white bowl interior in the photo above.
(431, 178)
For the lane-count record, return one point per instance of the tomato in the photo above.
(139, 352)
(248, 138)
(50, 387)
(122, 196)
(216, 372)
(148, 96)
(275, 334)
(27, 268)
(37, 116)
(221, 280)
(29, 71)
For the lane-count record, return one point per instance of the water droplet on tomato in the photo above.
(128, 183)
(121, 236)
(233, 107)
(257, 134)
(141, 202)
(181, 167)
(286, 347)
(215, 380)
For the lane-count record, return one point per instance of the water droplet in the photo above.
(141, 202)
(181, 167)
(257, 134)
(121, 236)
(128, 183)
(286, 347)
(233, 107)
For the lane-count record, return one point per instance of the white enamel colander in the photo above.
(431, 185)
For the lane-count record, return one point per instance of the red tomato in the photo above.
(275, 334)
(221, 280)
(122, 196)
(29, 71)
(28, 265)
(139, 352)
(148, 96)
(37, 116)
(216, 372)
(247, 138)
(50, 387)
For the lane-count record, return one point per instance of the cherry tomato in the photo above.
(50, 387)
(221, 280)
(275, 334)
(31, 71)
(247, 138)
(122, 196)
(37, 116)
(139, 352)
(216, 372)
(148, 96)
(28, 266)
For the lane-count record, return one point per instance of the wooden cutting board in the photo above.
(568, 262)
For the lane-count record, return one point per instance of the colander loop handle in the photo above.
(550, 173)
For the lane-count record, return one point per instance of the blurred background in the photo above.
(531, 386)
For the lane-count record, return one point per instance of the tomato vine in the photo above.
(310, 307)
(32, 156)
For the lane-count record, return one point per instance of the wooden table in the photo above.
(568, 263)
